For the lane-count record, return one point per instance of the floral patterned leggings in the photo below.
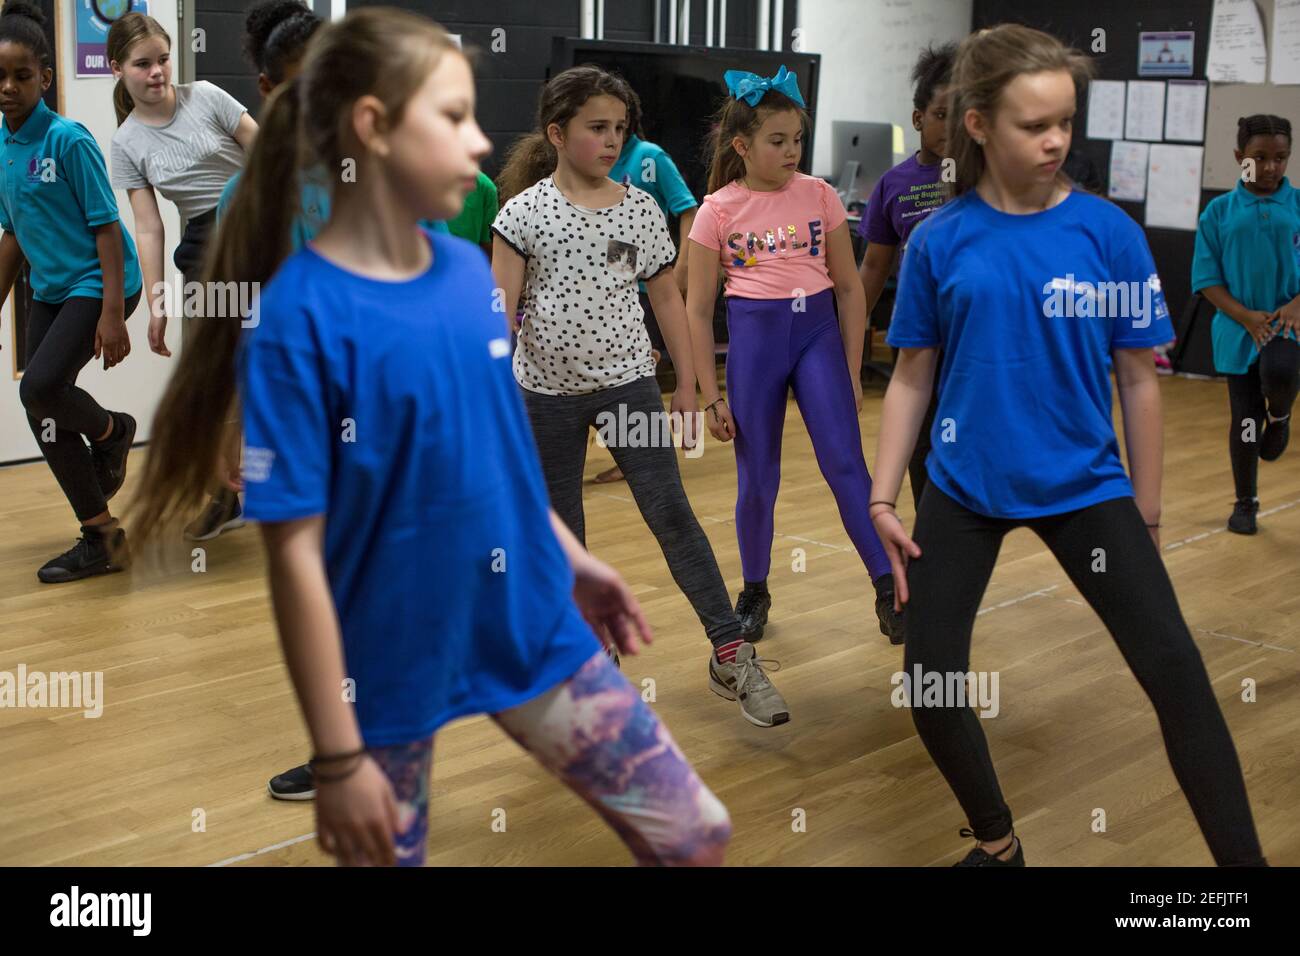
(600, 738)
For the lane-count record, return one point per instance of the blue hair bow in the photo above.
(750, 87)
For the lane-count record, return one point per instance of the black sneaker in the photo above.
(109, 455)
(1243, 516)
(94, 553)
(295, 784)
(751, 608)
(1274, 440)
(892, 623)
(978, 857)
(223, 513)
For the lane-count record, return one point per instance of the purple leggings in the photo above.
(771, 349)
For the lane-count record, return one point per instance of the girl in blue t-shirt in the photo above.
(414, 563)
(1247, 264)
(58, 210)
(1030, 287)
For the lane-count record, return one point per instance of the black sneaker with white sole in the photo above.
(223, 513)
(109, 456)
(96, 552)
(295, 784)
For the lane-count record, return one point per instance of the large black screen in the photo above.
(681, 87)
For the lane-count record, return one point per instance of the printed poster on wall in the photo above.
(94, 17)
(1165, 54)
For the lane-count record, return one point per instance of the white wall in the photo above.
(136, 385)
(868, 48)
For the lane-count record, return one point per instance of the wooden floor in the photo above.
(199, 711)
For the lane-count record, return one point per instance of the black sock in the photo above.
(756, 587)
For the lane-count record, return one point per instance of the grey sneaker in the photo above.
(223, 513)
(746, 681)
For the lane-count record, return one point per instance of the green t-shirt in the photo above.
(475, 220)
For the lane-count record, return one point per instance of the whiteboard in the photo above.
(1231, 100)
(868, 48)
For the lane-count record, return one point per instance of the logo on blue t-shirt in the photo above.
(1140, 301)
(257, 464)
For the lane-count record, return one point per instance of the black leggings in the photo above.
(560, 427)
(1134, 599)
(60, 341)
(1269, 385)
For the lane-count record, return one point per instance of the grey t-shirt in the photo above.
(189, 159)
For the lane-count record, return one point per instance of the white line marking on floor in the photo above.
(1242, 640)
(1224, 527)
(266, 849)
(1024, 597)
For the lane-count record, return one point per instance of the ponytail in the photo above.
(251, 241)
(373, 51)
(530, 159)
(122, 102)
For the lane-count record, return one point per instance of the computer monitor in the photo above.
(871, 146)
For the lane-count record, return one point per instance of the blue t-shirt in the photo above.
(647, 167)
(1024, 427)
(391, 408)
(1250, 245)
(53, 194)
(313, 208)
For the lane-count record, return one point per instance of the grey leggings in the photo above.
(560, 424)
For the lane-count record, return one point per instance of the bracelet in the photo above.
(335, 777)
(709, 407)
(334, 758)
(882, 502)
(1156, 525)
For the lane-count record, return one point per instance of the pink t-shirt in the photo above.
(772, 244)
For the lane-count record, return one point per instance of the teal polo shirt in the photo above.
(1250, 245)
(55, 191)
(313, 209)
(646, 166)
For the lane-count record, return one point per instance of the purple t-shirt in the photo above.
(903, 197)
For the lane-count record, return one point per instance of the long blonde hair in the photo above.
(987, 61)
(377, 51)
